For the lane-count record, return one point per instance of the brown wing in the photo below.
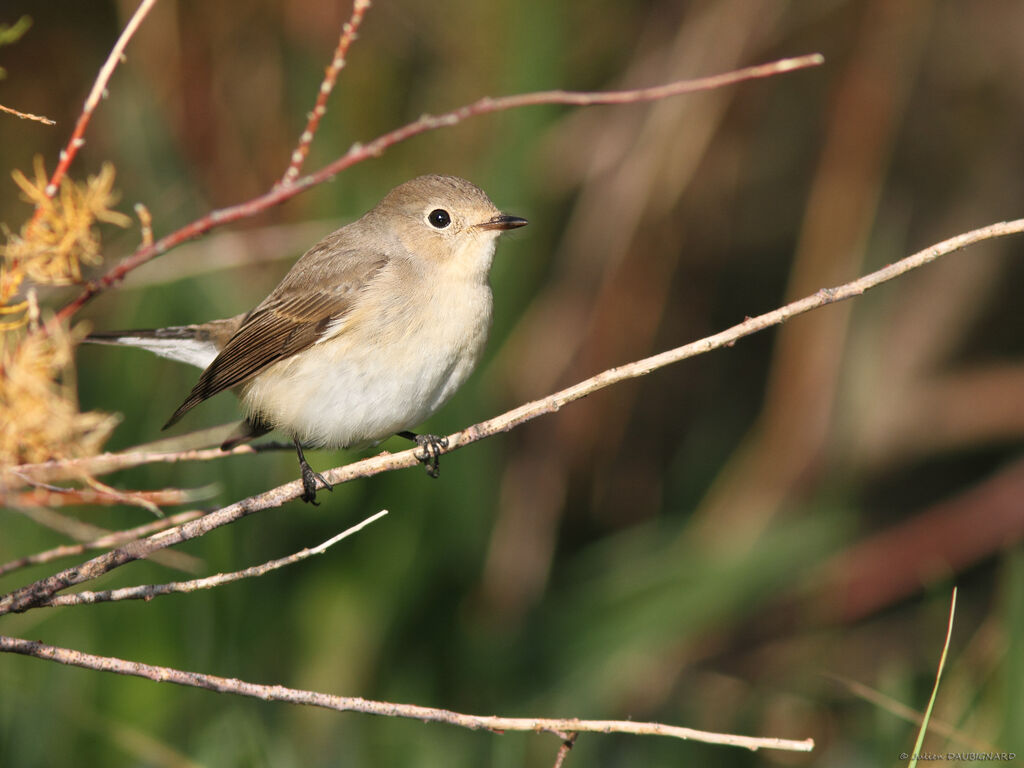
(288, 321)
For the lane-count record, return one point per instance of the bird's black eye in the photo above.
(439, 218)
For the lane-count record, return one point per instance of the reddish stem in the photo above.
(99, 88)
(359, 152)
(348, 34)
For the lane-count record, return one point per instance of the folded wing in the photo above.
(291, 319)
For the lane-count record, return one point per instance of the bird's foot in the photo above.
(310, 478)
(431, 448)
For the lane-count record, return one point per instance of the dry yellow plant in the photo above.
(61, 235)
(40, 417)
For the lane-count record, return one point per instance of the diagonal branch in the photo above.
(103, 541)
(149, 591)
(39, 591)
(559, 727)
(27, 115)
(99, 89)
(360, 152)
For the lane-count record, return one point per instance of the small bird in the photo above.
(370, 332)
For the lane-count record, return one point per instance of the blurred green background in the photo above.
(724, 544)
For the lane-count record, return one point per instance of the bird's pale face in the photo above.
(448, 220)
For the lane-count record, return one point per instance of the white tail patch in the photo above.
(191, 351)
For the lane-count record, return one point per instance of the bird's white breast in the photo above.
(384, 368)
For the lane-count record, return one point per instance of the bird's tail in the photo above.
(179, 342)
(196, 345)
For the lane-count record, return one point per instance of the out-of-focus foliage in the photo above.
(11, 33)
(39, 415)
(718, 545)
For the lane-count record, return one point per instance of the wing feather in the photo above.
(291, 319)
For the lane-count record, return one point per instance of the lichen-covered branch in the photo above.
(559, 727)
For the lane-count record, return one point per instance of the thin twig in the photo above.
(85, 532)
(27, 480)
(360, 152)
(149, 591)
(30, 595)
(568, 740)
(111, 539)
(384, 708)
(348, 34)
(27, 115)
(98, 90)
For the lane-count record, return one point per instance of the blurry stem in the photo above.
(90, 536)
(40, 591)
(559, 727)
(44, 497)
(27, 115)
(568, 740)
(935, 688)
(105, 463)
(360, 152)
(909, 714)
(107, 539)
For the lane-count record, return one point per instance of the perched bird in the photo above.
(370, 332)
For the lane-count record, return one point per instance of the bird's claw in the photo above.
(430, 449)
(309, 481)
(309, 489)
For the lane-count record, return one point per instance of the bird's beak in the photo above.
(502, 222)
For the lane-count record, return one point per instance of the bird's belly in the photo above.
(350, 390)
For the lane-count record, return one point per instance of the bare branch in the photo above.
(85, 532)
(27, 115)
(568, 740)
(32, 594)
(348, 34)
(360, 152)
(102, 542)
(559, 727)
(149, 591)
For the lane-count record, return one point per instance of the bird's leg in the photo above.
(429, 453)
(309, 478)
